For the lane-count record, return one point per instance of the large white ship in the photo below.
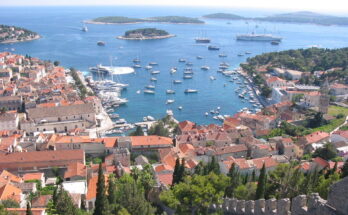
(258, 37)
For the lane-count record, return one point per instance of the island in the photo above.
(296, 17)
(13, 34)
(145, 34)
(158, 19)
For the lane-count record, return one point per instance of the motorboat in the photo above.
(153, 79)
(212, 78)
(149, 91)
(153, 63)
(170, 101)
(170, 91)
(199, 57)
(191, 91)
(150, 87)
(155, 72)
(182, 60)
(177, 82)
(188, 76)
(205, 67)
(148, 67)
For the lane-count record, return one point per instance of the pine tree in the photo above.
(261, 185)
(28, 211)
(344, 172)
(101, 202)
(176, 171)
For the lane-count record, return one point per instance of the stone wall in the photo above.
(337, 204)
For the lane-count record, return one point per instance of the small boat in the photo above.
(173, 70)
(180, 107)
(170, 91)
(189, 64)
(247, 52)
(153, 63)
(149, 92)
(240, 55)
(136, 66)
(205, 67)
(121, 121)
(153, 79)
(222, 55)
(275, 42)
(114, 116)
(136, 60)
(213, 48)
(199, 57)
(150, 118)
(188, 72)
(84, 28)
(138, 91)
(101, 43)
(148, 67)
(188, 76)
(169, 112)
(182, 60)
(188, 69)
(155, 72)
(150, 87)
(170, 101)
(206, 114)
(177, 82)
(191, 91)
(202, 40)
(212, 78)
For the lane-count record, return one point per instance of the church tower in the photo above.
(324, 97)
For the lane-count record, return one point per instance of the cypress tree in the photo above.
(345, 169)
(261, 185)
(28, 211)
(253, 176)
(112, 190)
(182, 171)
(176, 171)
(101, 201)
(234, 176)
(83, 203)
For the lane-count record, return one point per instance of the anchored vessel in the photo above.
(258, 37)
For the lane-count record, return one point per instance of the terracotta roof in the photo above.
(186, 125)
(22, 211)
(321, 162)
(185, 148)
(9, 191)
(269, 162)
(165, 179)
(150, 140)
(305, 166)
(75, 169)
(41, 201)
(274, 79)
(61, 111)
(33, 176)
(230, 149)
(92, 186)
(316, 136)
(339, 86)
(342, 133)
(10, 177)
(163, 167)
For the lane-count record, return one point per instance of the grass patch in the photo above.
(334, 123)
(335, 110)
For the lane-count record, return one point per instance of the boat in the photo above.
(189, 64)
(170, 91)
(191, 91)
(173, 70)
(170, 101)
(155, 72)
(136, 60)
(258, 37)
(148, 67)
(205, 67)
(149, 92)
(114, 116)
(136, 66)
(84, 28)
(206, 114)
(212, 78)
(222, 55)
(188, 76)
(240, 55)
(138, 91)
(121, 121)
(177, 81)
(150, 118)
(100, 69)
(275, 42)
(150, 87)
(169, 112)
(188, 72)
(213, 48)
(153, 79)
(182, 60)
(199, 57)
(101, 43)
(202, 40)
(180, 107)
(247, 52)
(153, 63)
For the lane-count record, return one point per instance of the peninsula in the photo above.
(145, 34)
(13, 34)
(158, 19)
(296, 17)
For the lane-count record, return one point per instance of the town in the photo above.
(50, 145)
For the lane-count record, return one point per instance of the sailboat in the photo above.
(84, 28)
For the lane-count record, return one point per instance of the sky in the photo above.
(339, 6)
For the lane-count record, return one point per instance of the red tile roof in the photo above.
(75, 169)
(316, 137)
(165, 179)
(33, 176)
(342, 133)
(150, 140)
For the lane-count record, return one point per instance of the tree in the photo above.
(3, 210)
(10, 203)
(234, 180)
(111, 189)
(199, 169)
(327, 152)
(246, 192)
(176, 173)
(137, 132)
(28, 211)
(344, 171)
(324, 184)
(101, 202)
(261, 185)
(64, 204)
(316, 121)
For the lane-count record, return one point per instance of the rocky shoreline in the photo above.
(19, 41)
(146, 38)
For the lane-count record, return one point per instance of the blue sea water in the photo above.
(62, 40)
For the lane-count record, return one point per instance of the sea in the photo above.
(63, 40)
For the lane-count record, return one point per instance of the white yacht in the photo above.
(191, 91)
(170, 91)
(170, 101)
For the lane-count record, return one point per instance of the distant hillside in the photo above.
(307, 17)
(128, 20)
(13, 34)
(229, 16)
(296, 17)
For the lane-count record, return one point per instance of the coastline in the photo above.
(20, 41)
(147, 38)
(145, 21)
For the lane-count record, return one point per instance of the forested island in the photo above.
(296, 17)
(158, 19)
(13, 34)
(145, 34)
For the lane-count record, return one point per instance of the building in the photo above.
(339, 136)
(9, 121)
(59, 119)
(337, 89)
(11, 102)
(293, 74)
(40, 160)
